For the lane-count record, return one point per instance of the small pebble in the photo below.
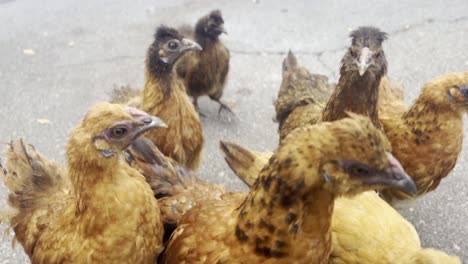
(28, 52)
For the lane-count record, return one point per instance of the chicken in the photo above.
(365, 229)
(89, 215)
(286, 216)
(205, 72)
(427, 138)
(164, 96)
(302, 95)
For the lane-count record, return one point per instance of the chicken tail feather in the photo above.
(32, 180)
(245, 163)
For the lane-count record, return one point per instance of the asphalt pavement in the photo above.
(59, 57)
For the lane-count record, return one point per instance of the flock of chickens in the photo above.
(347, 152)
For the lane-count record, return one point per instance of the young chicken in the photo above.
(365, 229)
(164, 96)
(427, 138)
(89, 216)
(301, 94)
(205, 72)
(286, 217)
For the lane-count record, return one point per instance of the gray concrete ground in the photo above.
(82, 49)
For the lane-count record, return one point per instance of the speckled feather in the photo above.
(427, 138)
(286, 216)
(301, 96)
(305, 98)
(355, 222)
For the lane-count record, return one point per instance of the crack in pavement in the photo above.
(401, 30)
(319, 54)
(426, 22)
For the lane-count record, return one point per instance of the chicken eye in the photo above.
(359, 171)
(119, 132)
(172, 45)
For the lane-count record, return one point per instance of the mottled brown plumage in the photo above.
(427, 138)
(205, 72)
(365, 229)
(164, 96)
(302, 95)
(88, 213)
(286, 215)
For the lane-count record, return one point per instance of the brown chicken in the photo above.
(89, 216)
(302, 95)
(427, 138)
(205, 71)
(365, 229)
(286, 217)
(164, 96)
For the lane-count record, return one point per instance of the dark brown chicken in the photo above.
(164, 96)
(87, 214)
(302, 95)
(286, 217)
(205, 71)
(427, 138)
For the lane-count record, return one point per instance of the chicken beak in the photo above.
(396, 177)
(149, 122)
(464, 91)
(188, 45)
(364, 59)
(222, 29)
(153, 122)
